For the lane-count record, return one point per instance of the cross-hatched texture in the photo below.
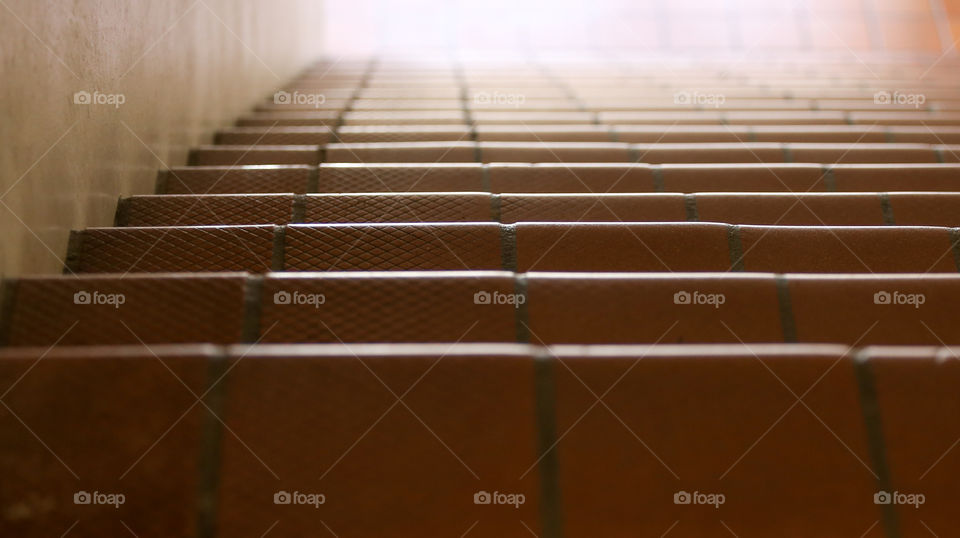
(235, 179)
(432, 207)
(602, 207)
(127, 310)
(373, 307)
(390, 247)
(402, 133)
(214, 248)
(208, 210)
(572, 178)
(401, 178)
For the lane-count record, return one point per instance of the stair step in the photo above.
(810, 209)
(574, 308)
(136, 393)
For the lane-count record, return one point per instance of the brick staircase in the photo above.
(558, 299)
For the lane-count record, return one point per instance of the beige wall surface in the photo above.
(162, 76)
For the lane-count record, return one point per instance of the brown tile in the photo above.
(660, 134)
(173, 249)
(754, 177)
(580, 246)
(639, 308)
(861, 153)
(925, 209)
(524, 133)
(204, 210)
(929, 177)
(244, 155)
(402, 133)
(917, 403)
(711, 420)
(572, 178)
(709, 153)
(385, 468)
(107, 421)
(809, 209)
(111, 309)
(386, 178)
(403, 117)
(818, 249)
(851, 134)
(393, 247)
(572, 152)
(275, 136)
(400, 152)
(592, 207)
(388, 307)
(396, 207)
(290, 119)
(848, 309)
(232, 180)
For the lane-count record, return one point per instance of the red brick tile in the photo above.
(244, 155)
(874, 178)
(925, 209)
(401, 177)
(595, 207)
(232, 180)
(572, 178)
(812, 209)
(754, 177)
(399, 152)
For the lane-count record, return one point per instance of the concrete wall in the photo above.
(181, 68)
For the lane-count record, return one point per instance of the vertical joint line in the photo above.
(549, 467)
(955, 244)
(633, 154)
(313, 180)
(875, 441)
(508, 247)
(658, 184)
(495, 212)
(485, 177)
(735, 247)
(829, 179)
(298, 213)
(690, 202)
(787, 153)
(886, 209)
(8, 299)
(938, 153)
(251, 308)
(787, 322)
(279, 246)
(163, 178)
(211, 445)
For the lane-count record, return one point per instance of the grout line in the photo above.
(690, 202)
(787, 152)
(787, 322)
(278, 261)
(313, 180)
(955, 243)
(211, 446)
(870, 410)
(658, 183)
(886, 209)
(545, 393)
(252, 292)
(485, 177)
(508, 247)
(522, 312)
(938, 152)
(495, 209)
(829, 179)
(71, 262)
(8, 300)
(298, 213)
(735, 247)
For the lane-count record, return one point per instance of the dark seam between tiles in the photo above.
(690, 204)
(278, 261)
(313, 180)
(298, 212)
(870, 412)
(785, 308)
(495, 208)
(252, 291)
(521, 312)
(508, 247)
(551, 508)
(886, 209)
(735, 247)
(211, 446)
(74, 258)
(658, 184)
(829, 180)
